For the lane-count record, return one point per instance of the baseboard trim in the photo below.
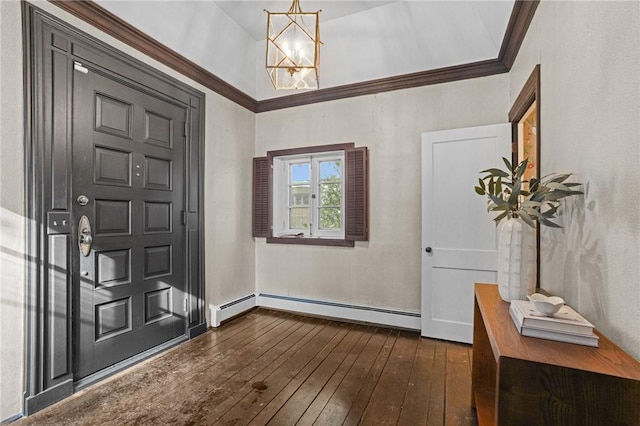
(48, 397)
(231, 309)
(11, 419)
(194, 332)
(368, 314)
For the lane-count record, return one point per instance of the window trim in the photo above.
(336, 242)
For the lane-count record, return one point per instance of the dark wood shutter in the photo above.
(261, 192)
(357, 194)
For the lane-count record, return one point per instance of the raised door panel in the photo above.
(113, 268)
(113, 116)
(112, 217)
(158, 130)
(112, 167)
(157, 217)
(158, 174)
(113, 318)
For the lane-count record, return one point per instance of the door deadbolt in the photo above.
(84, 236)
(83, 200)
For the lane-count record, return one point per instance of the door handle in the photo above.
(85, 239)
(428, 250)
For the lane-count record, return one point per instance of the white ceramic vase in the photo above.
(516, 259)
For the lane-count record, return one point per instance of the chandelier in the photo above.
(293, 48)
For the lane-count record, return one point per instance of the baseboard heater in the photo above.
(229, 310)
(341, 311)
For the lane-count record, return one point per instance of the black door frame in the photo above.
(51, 47)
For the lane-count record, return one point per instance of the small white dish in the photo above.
(546, 305)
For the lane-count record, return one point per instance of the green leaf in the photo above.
(496, 172)
(503, 207)
(571, 192)
(533, 212)
(527, 219)
(552, 210)
(507, 163)
(521, 168)
(558, 186)
(538, 197)
(531, 204)
(498, 186)
(479, 190)
(497, 200)
(513, 198)
(548, 223)
(481, 184)
(560, 178)
(501, 216)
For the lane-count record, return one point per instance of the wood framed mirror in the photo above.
(524, 117)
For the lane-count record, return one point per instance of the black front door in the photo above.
(128, 185)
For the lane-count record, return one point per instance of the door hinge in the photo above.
(186, 129)
(184, 218)
(186, 304)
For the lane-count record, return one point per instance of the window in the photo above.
(308, 194)
(316, 195)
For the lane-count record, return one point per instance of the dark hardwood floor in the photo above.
(277, 368)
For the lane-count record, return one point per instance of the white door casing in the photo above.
(459, 242)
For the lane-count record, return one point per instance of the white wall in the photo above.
(12, 223)
(384, 272)
(229, 147)
(590, 110)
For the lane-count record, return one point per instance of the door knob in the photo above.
(86, 239)
(428, 249)
(84, 236)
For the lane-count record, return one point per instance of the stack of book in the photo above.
(566, 325)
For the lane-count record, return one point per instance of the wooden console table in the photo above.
(520, 380)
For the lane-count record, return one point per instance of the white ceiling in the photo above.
(251, 15)
(363, 40)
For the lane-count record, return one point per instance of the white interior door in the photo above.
(459, 244)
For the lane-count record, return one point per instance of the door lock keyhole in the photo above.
(82, 200)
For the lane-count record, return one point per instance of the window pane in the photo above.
(330, 171)
(299, 173)
(331, 194)
(330, 218)
(299, 195)
(299, 218)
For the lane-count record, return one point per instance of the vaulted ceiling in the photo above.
(368, 46)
